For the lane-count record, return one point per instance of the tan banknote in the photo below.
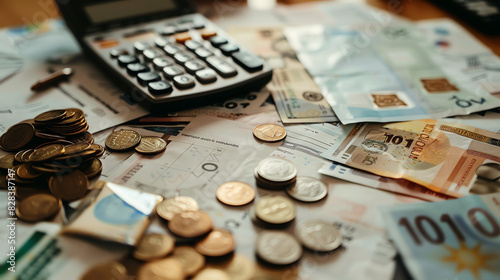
(297, 97)
(450, 158)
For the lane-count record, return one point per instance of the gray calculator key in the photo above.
(161, 42)
(145, 78)
(171, 71)
(167, 30)
(184, 81)
(182, 57)
(249, 61)
(135, 68)
(172, 49)
(159, 87)
(139, 47)
(206, 76)
(161, 62)
(222, 67)
(203, 53)
(217, 41)
(194, 65)
(150, 54)
(192, 45)
(124, 60)
(117, 52)
(228, 49)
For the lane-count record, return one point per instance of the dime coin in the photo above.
(47, 152)
(275, 209)
(17, 136)
(93, 169)
(269, 132)
(319, 236)
(190, 224)
(212, 274)
(307, 189)
(219, 242)
(122, 140)
(38, 207)
(151, 145)
(191, 260)
(277, 247)
(154, 246)
(51, 116)
(164, 269)
(276, 169)
(70, 186)
(7, 161)
(107, 271)
(174, 205)
(235, 193)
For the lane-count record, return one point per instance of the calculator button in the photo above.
(161, 42)
(217, 41)
(171, 71)
(167, 30)
(181, 28)
(222, 67)
(161, 62)
(203, 53)
(150, 54)
(182, 37)
(183, 81)
(135, 68)
(182, 57)
(228, 49)
(192, 45)
(206, 76)
(198, 25)
(159, 87)
(248, 61)
(117, 52)
(145, 78)
(139, 47)
(194, 65)
(124, 60)
(172, 49)
(207, 34)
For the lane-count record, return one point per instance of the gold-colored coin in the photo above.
(98, 148)
(219, 242)
(7, 161)
(25, 157)
(70, 186)
(275, 209)
(17, 137)
(62, 142)
(212, 274)
(38, 207)
(24, 192)
(151, 145)
(76, 157)
(93, 169)
(235, 193)
(269, 132)
(24, 171)
(164, 269)
(154, 246)
(47, 152)
(174, 205)
(76, 116)
(17, 156)
(190, 224)
(107, 271)
(51, 116)
(191, 260)
(122, 140)
(84, 137)
(48, 136)
(76, 148)
(238, 267)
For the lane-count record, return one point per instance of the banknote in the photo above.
(454, 239)
(397, 71)
(450, 158)
(297, 98)
(487, 120)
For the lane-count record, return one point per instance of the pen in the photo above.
(52, 78)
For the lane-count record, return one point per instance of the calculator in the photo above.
(162, 52)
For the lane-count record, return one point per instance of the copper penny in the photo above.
(17, 136)
(164, 269)
(38, 207)
(93, 169)
(24, 171)
(47, 152)
(269, 132)
(235, 193)
(219, 242)
(123, 140)
(212, 274)
(76, 148)
(151, 145)
(154, 246)
(98, 148)
(70, 186)
(51, 116)
(190, 259)
(174, 205)
(107, 271)
(190, 224)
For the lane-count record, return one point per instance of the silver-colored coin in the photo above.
(277, 247)
(275, 209)
(276, 169)
(307, 189)
(319, 236)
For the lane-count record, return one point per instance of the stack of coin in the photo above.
(275, 173)
(126, 139)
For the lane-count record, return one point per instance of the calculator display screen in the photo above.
(124, 9)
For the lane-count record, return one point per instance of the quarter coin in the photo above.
(38, 207)
(276, 169)
(70, 186)
(269, 132)
(235, 193)
(307, 189)
(151, 145)
(277, 247)
(154, 246)
(275, 209)
(319, 236)
(191, 260)
(164, 269)
(122, 140)
(174, 205)
(219, 242)
(190, 224)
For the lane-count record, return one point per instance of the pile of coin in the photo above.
(126, 139)
(275, 173)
